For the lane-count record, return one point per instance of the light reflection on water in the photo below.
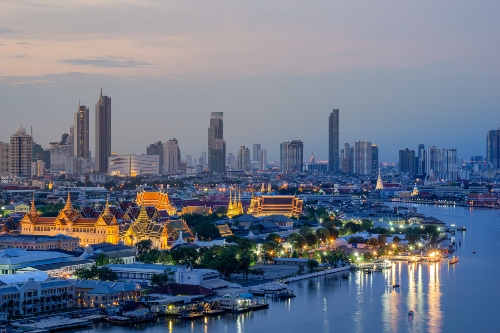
(442, 296)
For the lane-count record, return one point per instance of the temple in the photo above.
(266, 205)
(90, 230)
(235, 207)
(148, 218)
(380, 183)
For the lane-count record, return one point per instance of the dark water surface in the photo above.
(460, 298)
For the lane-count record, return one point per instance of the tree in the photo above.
(312, 265)
(221, 211)
(158, 280)
(396, 240)
(311, 239)
(144, 246)
(354, 227)
(366, 224)
(246, 259)
(206, 231)
(273, 237)
(372, 242)
(118, 261)
(297, 240)
(184, 256)
(101, 260)
(381, 240)
(355, 240)
(106, 274)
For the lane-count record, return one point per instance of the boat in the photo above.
(259, 306)
(462, 228)
(285, 294)
(190, 315)
(214, 312)
(411, 313)
(453, 261)
(119, 320)
(268, 289)
(395, 285)
(232, 303)
(473, 252)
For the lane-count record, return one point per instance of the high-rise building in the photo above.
(362, 163)
(37, 153)
(156, 149)
(60, 151)
(189, 160)
(172, 156)
(81, 147)
(37, 169)
(231, 161)
(333, 141)
(133, 165)
(216, 144)
(244, 158)
(347, 158)
(203, 158)
(256, 151)
(450, 163)
(292, 156)
(263, 159)
(421, 158)
(493, 148)
(102, 133)
(374, 158)
(4, 159)
(20, 152)
(408, 161)
(433, 160)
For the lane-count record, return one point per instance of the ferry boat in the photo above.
(119, 320)
(232, 303)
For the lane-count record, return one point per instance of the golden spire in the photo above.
(106, 209)
(239, 199)
(33, 211)
(230, 207)
(68, 205)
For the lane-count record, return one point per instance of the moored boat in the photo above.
(118, 320)
(454, 260)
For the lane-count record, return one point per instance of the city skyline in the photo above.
(398, 76)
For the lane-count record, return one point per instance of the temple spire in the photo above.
(106, 209)
(68, 205)
(33, 211)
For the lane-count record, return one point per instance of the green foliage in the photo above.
(295, 254)
(353, 227)
(185, 256)
(202, 224)
(95, 273)
(356, 240)
(372, 242)
(396, 240)
(158, 280)
(297, 240)
(101, 260)
(312, 265)
(270, 250)
(50, 210)
(144, 246)
(366, 224)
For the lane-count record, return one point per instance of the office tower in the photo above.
(102, 133)
(46, 158)
(172, 156)
(263, 159)
(433, 160)
(81, 137)
(292, 156)
(216, 144)
(156, 149)
(189, 160)
(256, 151)
(493, 148)
(4, 159)
(374, 158)
(20, 153)
(231, 160)
(347, 158)
(244, 158)
(333, 141)
(362, 164)
(59, 153)
(408, 161)
(37, 169)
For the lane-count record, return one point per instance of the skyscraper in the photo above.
(347, 158)
(333, 141)
(60, 151)
(493, 148)
(362, 157)
(256, 151)
(102, 133)
(81, 132)
(244, 158)
(216, 144)
(156, 149)
(263, 159)
(172, 156)
(408, 161)
(4, 159)
(20, 152)
(292, 156)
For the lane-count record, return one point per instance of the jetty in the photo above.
(53, 324)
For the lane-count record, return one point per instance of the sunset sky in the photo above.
(401, 73)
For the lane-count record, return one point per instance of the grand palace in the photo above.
(150, 216)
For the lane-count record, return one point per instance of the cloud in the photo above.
(108, 62)
(18, 56)
(5, 31)
(350, 53)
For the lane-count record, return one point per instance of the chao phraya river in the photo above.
(460, 298)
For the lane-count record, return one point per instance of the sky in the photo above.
(401, 73)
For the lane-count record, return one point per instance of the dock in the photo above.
(55, 324)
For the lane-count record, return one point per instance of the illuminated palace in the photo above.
(234, 208)
(267, 205)
(90, 230)
(148, 218)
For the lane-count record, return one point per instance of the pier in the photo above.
(56, 324)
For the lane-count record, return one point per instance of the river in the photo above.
(458, 298)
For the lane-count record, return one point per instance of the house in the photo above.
(96, 293)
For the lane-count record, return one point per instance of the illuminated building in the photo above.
(374, 158)
(134, 165)
(37, 169)
(4, 159)
(235, 207)
(263, 159)
(380, 183)
(292, 156)
(266, 205)
(216, 144)
(59, 153)
(172, 156)
(20, 153)
(333, 141)
(70, 222)
(102, 133)
(159, 200)
(408, 162)
(81, 133)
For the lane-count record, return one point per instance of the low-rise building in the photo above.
(12, 260)
(96, 293)
(39, 242)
